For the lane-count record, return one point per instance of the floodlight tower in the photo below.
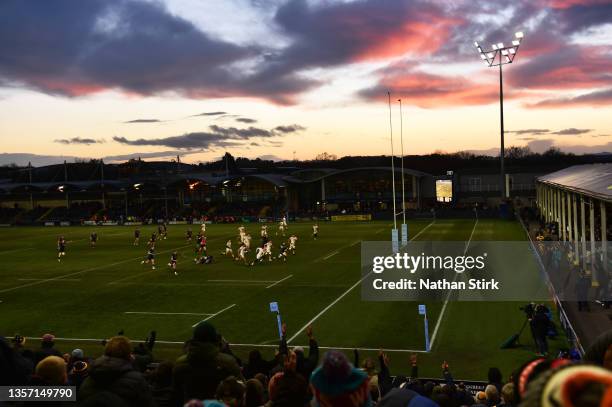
(500, 55)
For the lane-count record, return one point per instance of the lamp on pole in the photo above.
(498, 56)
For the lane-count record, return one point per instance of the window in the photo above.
(475, 184)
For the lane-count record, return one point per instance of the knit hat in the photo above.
(205, 332)
(78, 354)
(48, 338)
(339, 384)
(571, 386)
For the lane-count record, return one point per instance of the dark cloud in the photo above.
(217, 137)
(79, 140)
(572, 131)
(294, 128)
(535, 132)
(155, 154)
(246, 120)
(143, 121)
(600, 135)
(78, 48)
(596, 98)
(583, 16)
(209, 114)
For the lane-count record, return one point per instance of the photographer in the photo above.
(540, 324)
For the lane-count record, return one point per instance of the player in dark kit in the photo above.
(93, 238)
(150, 259)
(189, 235)
(283, 251)
(61, 248)
(172, 264)
(152, 240)
(136, 237)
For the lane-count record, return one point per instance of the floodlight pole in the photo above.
(502, 149)
(506, 55)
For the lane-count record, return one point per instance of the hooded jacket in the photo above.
(117, 376)
(197, 374)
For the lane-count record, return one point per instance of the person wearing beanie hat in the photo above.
(51, 371)
(336, 383)
(571, 385)
(199, 371)
(480, 398)
(288, 389)
(47, 342)
(114, 372)
(77, 354)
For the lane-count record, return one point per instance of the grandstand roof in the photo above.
(594, 180)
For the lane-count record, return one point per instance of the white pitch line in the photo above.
(242, 281)
(332, 254)
(251, 345)
(76, 273)
(344, 294)
(15, 250)
(165, 313)
(327, 256)
(214, 315)
(41, 279)
(280, 281)
(443, 310)
(129, 277)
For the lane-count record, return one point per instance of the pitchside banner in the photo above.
(486, 271)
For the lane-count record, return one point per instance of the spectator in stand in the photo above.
(199, 371)
(15, 369)
(46, 348)
(495, 378)
(51, 371)
(231, 392)
(337, 383)
(507, 395)
(306, 364)
(288, 389)
(492, 395)
(254, 394)
(161, 383)
(257, 364)
(77, 373)
(113, 372)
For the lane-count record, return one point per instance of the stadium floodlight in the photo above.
(497, 57)
(483, 56)
(60, 188)
(476, 44)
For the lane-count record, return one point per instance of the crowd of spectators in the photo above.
(209, 374)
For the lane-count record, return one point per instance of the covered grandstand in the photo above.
(574, 205)
(84, 192)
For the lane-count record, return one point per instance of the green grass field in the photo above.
(95, 292)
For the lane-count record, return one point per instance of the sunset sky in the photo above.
(116, 79)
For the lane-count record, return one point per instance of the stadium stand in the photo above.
(210, 374)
